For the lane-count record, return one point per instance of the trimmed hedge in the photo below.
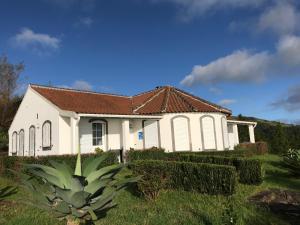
(203, 178)
(8, 163)
(249, 170)
(258, 148)
(147, 154)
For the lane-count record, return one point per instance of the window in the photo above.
(46, 135)
(14, 143)
(97, 133)
(21, 143)
(32, 141)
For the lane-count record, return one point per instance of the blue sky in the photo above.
(243, 54)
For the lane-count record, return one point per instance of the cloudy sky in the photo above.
(243, 54)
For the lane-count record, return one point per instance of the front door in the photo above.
(151, 134)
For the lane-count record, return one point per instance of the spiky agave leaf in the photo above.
(86, 195)
(78, 169)
(7, 191)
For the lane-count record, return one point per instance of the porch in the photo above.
(233, 133)
(114, 132)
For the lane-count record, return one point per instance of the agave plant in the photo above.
(84, 196)
(7, 191)
(292, 161)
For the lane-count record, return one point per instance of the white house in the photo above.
(55, 121)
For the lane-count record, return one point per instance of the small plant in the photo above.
(98, 150)
(292, 161)
(6, 192)
(83, 196)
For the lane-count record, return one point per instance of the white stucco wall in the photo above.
(196, 137)
(65, 139)
(34, 110)
(113, 139)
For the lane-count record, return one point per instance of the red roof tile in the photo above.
(160, 100)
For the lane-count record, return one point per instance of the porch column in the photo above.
(125, 135)
(236, 134)
(251, 133)
(74, 135)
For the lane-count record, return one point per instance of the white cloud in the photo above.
(215, 90)
(288, 50)
(245, 66)
(79, 85)
(290, 101)
(84, 22)
(193, 8)
(82, 85)
(281, 18)
(240, 66)
(38, 42)
(226, 102)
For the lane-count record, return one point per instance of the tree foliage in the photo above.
(9, 101)
(279, 136)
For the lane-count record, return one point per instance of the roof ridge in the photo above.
(185, 101)
(220, 108)
(145, 92)
(76, 90)
(149, 100)
(166, 100)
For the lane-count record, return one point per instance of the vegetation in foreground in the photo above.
(172, 207)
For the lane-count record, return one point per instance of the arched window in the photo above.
(181, 136)
(14, 141)
(208, 132)
(46, 135)
(21, 143)
(32, 141)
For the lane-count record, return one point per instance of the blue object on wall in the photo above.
(141, 135)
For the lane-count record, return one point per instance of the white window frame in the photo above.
(14, 143)
(31, 145)
(47, 143)
(21, 142)
(95, 137)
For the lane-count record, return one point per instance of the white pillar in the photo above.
(125, 135)
(236, 134)
(251, 133)
(74, 135)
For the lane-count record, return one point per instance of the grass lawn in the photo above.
(173, 207)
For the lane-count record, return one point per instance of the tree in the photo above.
(9, 101)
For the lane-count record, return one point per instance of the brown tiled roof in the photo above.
(164, 99)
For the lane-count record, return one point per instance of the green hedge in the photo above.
(147, 154)
(203, 178)
(8, 163)
(249, 170)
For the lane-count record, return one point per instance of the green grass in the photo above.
(173, 207)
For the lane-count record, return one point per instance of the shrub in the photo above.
(152, 154)
(15, 162)
(292, 161)
(258, 148)
(203, 178)
(249, 170)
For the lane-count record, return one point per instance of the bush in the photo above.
(188, 176)
(249, 170)
(8, 163)
(258, 148)
(152, 154)
(291, 160)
